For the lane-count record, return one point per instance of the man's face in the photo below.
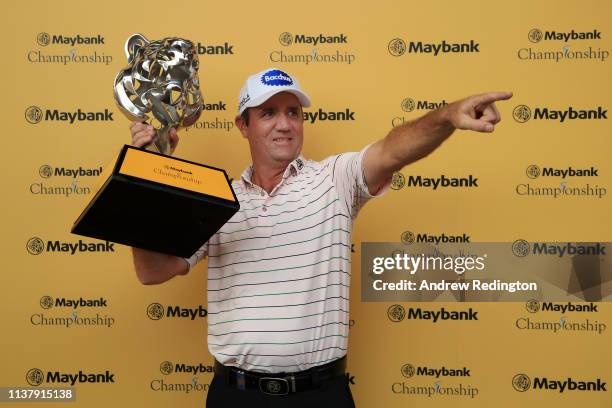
(275, 131)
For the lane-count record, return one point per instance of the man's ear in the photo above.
(241, 125)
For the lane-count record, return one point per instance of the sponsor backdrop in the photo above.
(76, 316)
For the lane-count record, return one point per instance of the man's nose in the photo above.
(282, 122)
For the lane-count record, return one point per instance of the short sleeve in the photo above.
(197, 256)
(346, 170)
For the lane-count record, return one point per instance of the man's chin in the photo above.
(285, 157)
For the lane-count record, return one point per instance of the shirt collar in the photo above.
(297, 165)
(294, 168)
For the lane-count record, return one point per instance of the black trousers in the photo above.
(333, 393)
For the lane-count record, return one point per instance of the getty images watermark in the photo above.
(514, 271)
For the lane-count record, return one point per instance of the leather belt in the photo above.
(282, 383)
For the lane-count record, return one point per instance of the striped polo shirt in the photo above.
(279, 269)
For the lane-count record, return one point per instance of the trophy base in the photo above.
(156, 202)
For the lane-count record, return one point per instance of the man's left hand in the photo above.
(476, 112)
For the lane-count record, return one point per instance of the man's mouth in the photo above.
(282, 139)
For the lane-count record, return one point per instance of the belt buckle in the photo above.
(276, 386)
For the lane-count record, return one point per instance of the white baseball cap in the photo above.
(259, 87)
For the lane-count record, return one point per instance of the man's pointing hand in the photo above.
(476, 112)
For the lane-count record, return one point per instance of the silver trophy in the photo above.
(161, 79)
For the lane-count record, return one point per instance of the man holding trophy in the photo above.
(279, 269)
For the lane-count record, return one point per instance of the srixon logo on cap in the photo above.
(276, 77)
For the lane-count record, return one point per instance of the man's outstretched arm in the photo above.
(416, 139)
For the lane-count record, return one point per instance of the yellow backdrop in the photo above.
(380, 69)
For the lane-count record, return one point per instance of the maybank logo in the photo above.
(156, 311)
(287, 39)
(43, 39)
(442, 181)
(34, 115)
(36, 246)
(76, 318)
(408, 237)
(564, 187)
(36, 377)
(66, 189)
(215, 49)
(533, 306)
(177, 173)
(522, 383)
(321, 115)
(74, 55)
(565, 50)
(398, 47)
(47, 302)
(542, 248)
(441, 315)
(443, 382)
(397, 313)
(186, 385)
(410, 104)
(47, 171)
(312, 54)
(409, 371)
(571, 319)
(276, 77)
(559, 250)
(533, 171)
(167, 368)
(536, 35)
(522, 248)
(398, 180)
(523, 113)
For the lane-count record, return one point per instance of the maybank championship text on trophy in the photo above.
(148, 199)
